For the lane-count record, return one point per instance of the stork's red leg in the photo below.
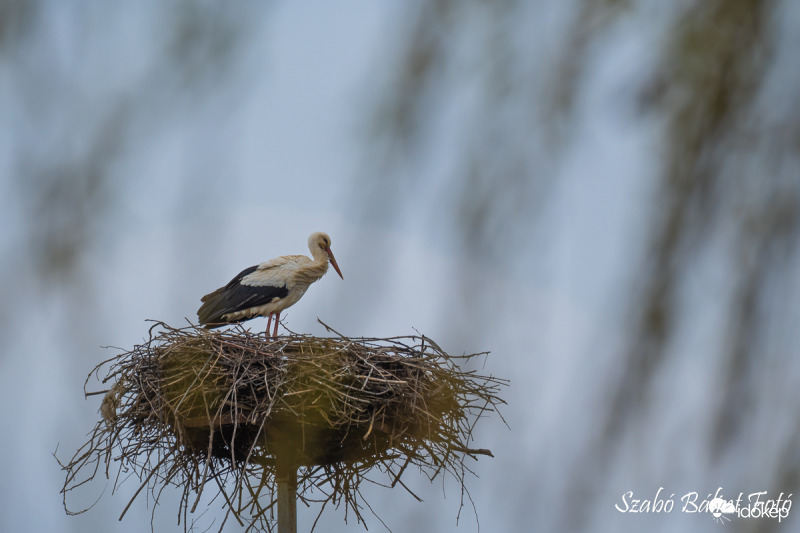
(269, 323)
(277, 319)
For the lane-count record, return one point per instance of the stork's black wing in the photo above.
(236, 296)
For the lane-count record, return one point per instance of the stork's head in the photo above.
(320, 242)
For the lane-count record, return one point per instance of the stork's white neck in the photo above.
(319, 255)
(313, 270)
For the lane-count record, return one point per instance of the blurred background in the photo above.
(605, 195)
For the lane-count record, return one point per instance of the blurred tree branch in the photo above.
(727, 103)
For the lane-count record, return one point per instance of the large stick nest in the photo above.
(225, 410)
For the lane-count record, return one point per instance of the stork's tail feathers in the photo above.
(211, 312)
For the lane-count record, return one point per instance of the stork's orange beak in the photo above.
(333, 262)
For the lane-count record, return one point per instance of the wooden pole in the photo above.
(286, 476)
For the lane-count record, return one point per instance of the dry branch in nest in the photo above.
(221, 412)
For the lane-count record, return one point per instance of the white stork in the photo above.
(268, 288)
